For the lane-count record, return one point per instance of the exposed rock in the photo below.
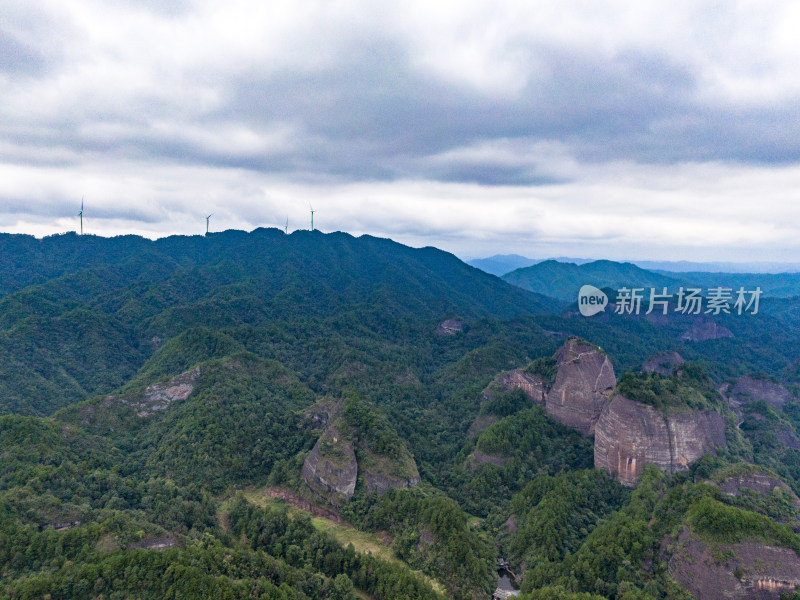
(584, 381)
(532, 385)
(382, 482)
(154, 398)
(630, 435)
(480, 458)
(383, 473)
(150, 543)
(330, 469)
(706, 329)
(749, 389)
(160, 395)
(511, 524)
(60, 525)
(761, 483)
(767, 486)
(407, 378)
(747, 570)
(342, 456)
(450, 326)
(663, 363)
(788, 437)
(481, 423)
(320, 414)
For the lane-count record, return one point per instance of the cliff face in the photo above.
(450, 326)
(381, 474)
(584, 381)
(342, 456)
(706, 329)
(749, 389)
(747, 570)
(331, 468)
(663, 363)
(630, 435)
(532, 385)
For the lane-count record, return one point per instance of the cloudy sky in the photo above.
(652, 130)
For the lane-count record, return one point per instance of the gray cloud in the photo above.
(156, 109)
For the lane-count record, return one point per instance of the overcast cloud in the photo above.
(605, 129)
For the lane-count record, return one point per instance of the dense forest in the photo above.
(261, 415)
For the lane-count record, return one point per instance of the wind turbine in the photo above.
(207, 219)
(312, 216)
(80, 214)
(286, 229)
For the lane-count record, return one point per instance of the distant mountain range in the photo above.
(562, 280)
(501, 264)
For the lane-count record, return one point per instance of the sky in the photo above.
(601, 129)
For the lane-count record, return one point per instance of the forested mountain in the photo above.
(261, 415)
(562, 279)
(87, 312)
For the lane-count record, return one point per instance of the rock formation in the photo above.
(629, 435)
(584, 382)
(532, 385)
(663, 363)
(705, 329)
(381, 475)
(450, 326)
(343, 455)
(749, 389)
(747, 570)
(331, 469)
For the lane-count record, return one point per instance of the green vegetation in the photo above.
(544, 367)
(144, 385)
(691, 389)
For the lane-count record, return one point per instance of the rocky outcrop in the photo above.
(152, 543)
(770, 488)
(583, 384)
(381, 480)
(761, 483)
(705, 329)
(154, 398)
(663, 363)
(479, 458)
(320, 414)
(532, 385)
(331, 468)
(450, 326)
(747, 570)
(630, 435)
(749, 389)
(160, 395)
(481, 423)
(343, 455)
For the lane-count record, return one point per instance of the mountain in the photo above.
(77, 328)
(778, 285)
(309, 416)
(563, 280)
(500, 264)
(685, 266)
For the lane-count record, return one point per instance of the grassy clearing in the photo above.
(363, 542)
